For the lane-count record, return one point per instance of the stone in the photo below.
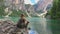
(8, 27)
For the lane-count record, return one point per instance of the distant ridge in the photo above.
(42, 4)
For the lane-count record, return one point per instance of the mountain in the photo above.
(18, 5)
(15, 4)
(12, 8)
(42, 4)
(29, 7)
(26, 8)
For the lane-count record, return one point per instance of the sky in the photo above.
(32, 2)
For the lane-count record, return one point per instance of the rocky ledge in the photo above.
(7, 26)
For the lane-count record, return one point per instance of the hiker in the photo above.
(22, 23)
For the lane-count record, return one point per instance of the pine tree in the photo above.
(55, 11)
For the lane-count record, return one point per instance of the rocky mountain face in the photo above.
(29, 8)
(42, 4)
(15, 4)
(18, 5)
(39, 7)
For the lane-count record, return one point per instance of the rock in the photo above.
(15, 4)
(7, 27)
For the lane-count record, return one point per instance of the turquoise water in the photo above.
(42, 25)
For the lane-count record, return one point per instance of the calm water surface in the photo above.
(41, 25)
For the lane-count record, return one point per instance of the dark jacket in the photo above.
(21, 23)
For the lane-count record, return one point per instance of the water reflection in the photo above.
(40, 25)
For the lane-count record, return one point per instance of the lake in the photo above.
(42, 25)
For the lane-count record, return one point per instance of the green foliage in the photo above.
(2, 7)
(16, 13)
(1, 0)
(55, 11)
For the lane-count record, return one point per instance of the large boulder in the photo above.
(7, 27)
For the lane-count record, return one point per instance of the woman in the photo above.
(22, 23)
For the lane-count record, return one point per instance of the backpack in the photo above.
(21, 23)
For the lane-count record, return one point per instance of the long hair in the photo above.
(22, 15)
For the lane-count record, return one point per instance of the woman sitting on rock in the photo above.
(22, 23)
